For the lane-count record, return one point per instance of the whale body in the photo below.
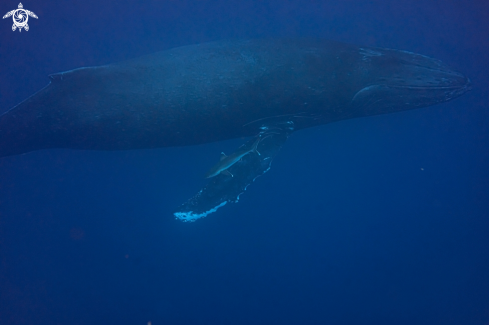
(195, 94)
(221, 90)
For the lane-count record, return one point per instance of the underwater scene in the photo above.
(244, 162)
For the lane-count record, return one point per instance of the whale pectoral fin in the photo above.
(222, 189)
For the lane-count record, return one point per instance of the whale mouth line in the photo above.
(464, 87)
(376, 93)
(467, 85)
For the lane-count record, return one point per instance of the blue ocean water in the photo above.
(379, 220)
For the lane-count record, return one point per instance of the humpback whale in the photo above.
(264, 89)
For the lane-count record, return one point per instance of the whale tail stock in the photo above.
(34, 124)
(15, 132)
(11, 142)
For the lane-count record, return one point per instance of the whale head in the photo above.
(399, 80)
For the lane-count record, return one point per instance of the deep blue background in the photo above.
(380, 220)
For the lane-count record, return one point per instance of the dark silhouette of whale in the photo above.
(221, 90)
(215, 91)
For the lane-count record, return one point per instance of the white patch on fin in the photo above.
(190, 216)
